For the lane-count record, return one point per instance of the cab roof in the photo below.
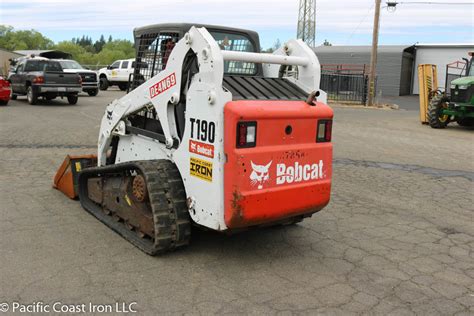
(182, 28)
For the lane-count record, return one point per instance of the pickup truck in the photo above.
(41, 77)
(90, 84)
(117, 73)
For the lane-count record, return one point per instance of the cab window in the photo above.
(115, 65)
(20, 67)
(124, 65)
(239, 43)
(42, 65)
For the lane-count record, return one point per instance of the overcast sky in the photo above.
(344, 22)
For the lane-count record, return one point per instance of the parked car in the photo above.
(41, 77)
(90, 84)
(117, 73)
(5, 91)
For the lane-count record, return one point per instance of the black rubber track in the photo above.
(172, 223)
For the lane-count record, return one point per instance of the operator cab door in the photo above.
(113, 71)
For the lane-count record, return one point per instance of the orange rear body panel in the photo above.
(285, 175)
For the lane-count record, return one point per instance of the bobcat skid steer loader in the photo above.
(213, 133)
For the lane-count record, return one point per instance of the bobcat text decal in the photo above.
(201, 149)
(162, 85)
(286, 173)
(298, 173)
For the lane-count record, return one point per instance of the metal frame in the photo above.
(146, 35)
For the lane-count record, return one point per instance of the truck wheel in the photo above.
(31, 95)
(103, 84)
(13, 96)
(123, 86)
(72, 99)
(435, 118)
(93, 93)
(3, 102)
(467, 121)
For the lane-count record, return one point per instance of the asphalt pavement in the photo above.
(396, 239)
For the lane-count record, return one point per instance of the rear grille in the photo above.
(88, 77)
(258, 88)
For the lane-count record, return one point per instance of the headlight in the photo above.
(453, 86)
(463, 87)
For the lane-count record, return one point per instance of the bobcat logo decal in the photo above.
(259, 174)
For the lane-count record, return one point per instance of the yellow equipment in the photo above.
(428, 83)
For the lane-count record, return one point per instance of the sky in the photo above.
(341, 22)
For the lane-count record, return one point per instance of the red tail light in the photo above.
(39, 79)
(246, 134)
(324, 133)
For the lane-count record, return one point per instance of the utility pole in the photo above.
(373, 55)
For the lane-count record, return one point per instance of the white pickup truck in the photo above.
(118, 73)
(90, 83)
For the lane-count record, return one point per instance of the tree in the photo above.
(116, 49)
(23, 39)
(98, 45)
(82, 49)
(326, 43)
(72, 48)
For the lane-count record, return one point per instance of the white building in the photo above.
(439, 55)
(397, 65)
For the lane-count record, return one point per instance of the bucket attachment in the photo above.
(66, 177)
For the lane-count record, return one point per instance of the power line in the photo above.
(435, 2)
(360, 23)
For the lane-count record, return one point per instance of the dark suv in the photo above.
(40, 77)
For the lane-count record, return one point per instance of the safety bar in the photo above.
(264, 58)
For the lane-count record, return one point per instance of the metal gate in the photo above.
(345, 87)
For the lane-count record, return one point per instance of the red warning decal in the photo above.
(202, 149)
(163, 85)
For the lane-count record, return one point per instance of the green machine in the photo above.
(457, 102)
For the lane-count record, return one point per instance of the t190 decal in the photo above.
(203, 130)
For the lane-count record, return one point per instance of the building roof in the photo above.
(386, 48)
(8, 51)
(453, 45)
(360, 49)
(47, 53)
